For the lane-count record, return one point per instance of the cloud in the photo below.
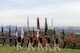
(62, 15)
(17, 0)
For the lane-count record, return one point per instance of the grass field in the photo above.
(8, 49)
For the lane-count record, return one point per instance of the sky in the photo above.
(63, 12)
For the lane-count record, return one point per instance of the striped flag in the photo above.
(2, 31)
(72, 37)
(63, 34)
(16, 32)
(46, 27)
(22, 33)
(38, 28)
(9, 31)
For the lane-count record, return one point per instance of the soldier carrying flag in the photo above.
(63, 38)
(22, 36)
(54, 33)
(16, 35)
(34, 39)
(73, 40)
(47, 36)
(3, 37)
(39, 38)
(30, 39)
(18, 40)
(10, 38)
(56, 41)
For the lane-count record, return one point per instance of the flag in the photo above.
(2, 31)
(46, 27)
(33, 32)
(38, 28)
(54, 33)
(38, 24)
(63, 35)
(28, 30)
(9, 31)
(22, 33)
(16, 32)
(72, 37)
(72, 34)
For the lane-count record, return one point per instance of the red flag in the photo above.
(72, 37)
(72, 34)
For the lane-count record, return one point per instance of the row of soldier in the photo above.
(32, 41)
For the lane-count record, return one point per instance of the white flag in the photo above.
(38, 33)
(16, 32)
(22, 33)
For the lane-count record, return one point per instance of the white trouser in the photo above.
(19, 46)
(56, 46)
(48, 47)
(40, 46)
(30, 46)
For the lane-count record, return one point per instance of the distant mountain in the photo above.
(67, 29)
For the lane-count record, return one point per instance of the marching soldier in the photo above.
(3, 40)
(27, 41)
(73, 43)
(19, 42)
(56, 44)
(35, 41)
(10, 40)
(48, 43)
(30, 43)
(22, 36)
(63, 39)
(64, 44)
(34, 38)
(3, 37)
(47, 36)
(39, 38)
(73, 40)
(40, 44)
(16, 36)
(22, 42)
(30, 39)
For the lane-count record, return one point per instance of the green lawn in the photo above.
(8, 49)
